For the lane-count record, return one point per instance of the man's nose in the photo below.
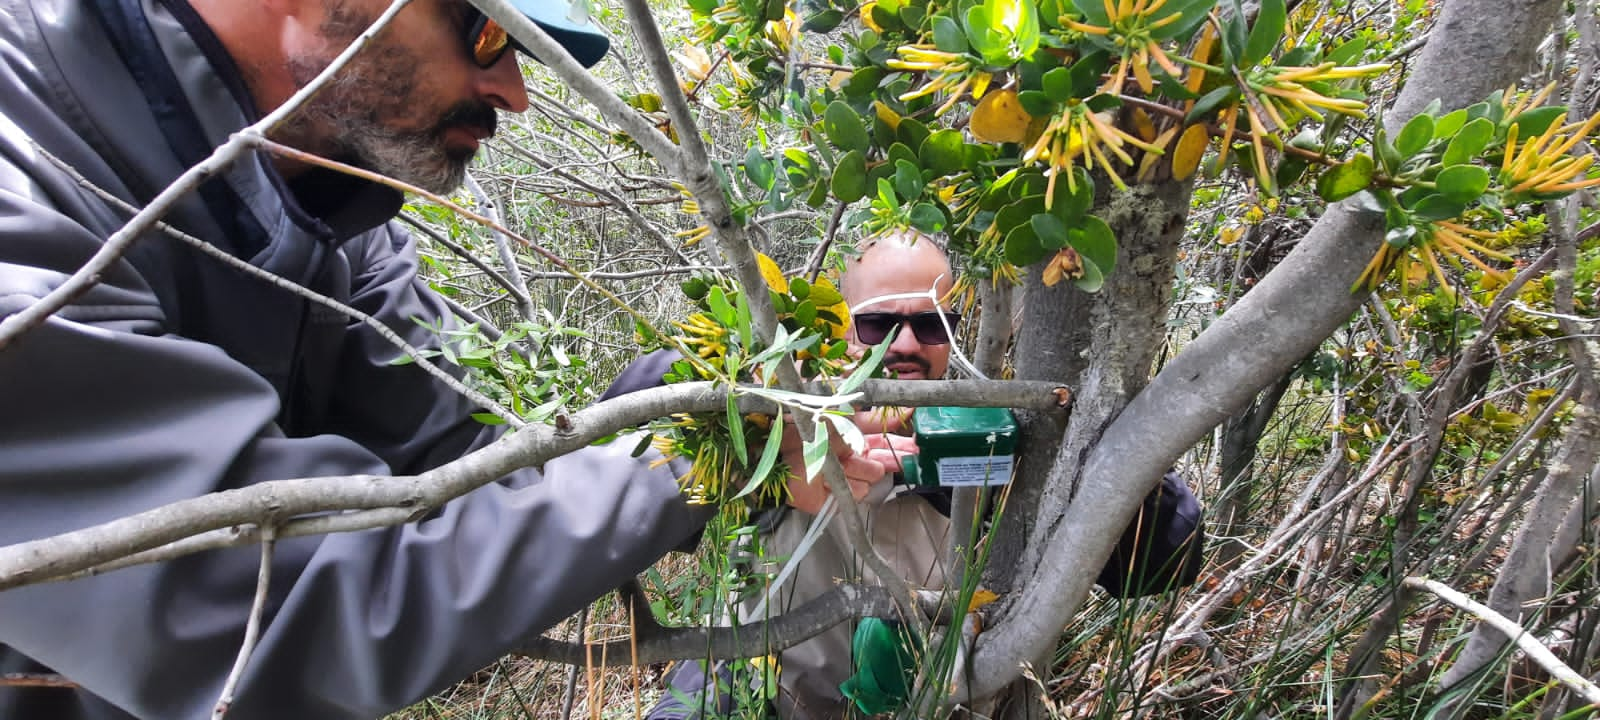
(501, 84)
(905, 341)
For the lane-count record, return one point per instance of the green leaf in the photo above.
(912, 132)
(1051, 232)
(927, 218)
(1414, 136)
(1094, 11)
(1096, 243)
(886, 193)
(944, 152)
(947, 35)
(1037, 103)
(806, 313)
(1438, 207)
(1466, 145)
(1020, 20)
(984, 38)
(488, 418)
(1264, 35)
(721, 309)
(1450, 124)
(815, 452)
(1400, 237)
(1071, 200)
(844, 128)
(1023, 247)
(1388, 156)
(1058, 85)
(1462, 183)
(908, 179)
(1347, 179)
(1349, 53)
(799, 288)
(1209, 102)
(769, 457)
(849, 182)
(824, 22)
(736, 432)
(758, 168)
(1093, 279)
(863, 82)
(1536, 121)
(1085, 73)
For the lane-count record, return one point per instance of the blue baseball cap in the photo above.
(568, 22)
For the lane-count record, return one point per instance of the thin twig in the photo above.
(252, 628)
(508, 259)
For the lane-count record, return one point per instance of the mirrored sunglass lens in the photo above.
(490, 43)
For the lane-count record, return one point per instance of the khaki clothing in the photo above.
(910, 535)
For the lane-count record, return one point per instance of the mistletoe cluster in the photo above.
(813, 322)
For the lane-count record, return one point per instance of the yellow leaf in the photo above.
(772, 273)
(1144, 125)
(696, 63)
(980, 598)
(1141, 73)
(1000, 118)
(886, 114)
(1191, 148)
(866, 17)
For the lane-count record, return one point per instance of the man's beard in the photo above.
(349, 120)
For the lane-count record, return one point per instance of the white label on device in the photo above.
(981, 470)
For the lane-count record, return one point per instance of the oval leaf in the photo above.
(844, 128)
(1347, 179)
(1022, 246)
(999, 118)
(944, 152)
(1052, 233)
(1415, 136)
(1190, 150)
(1096, 244)
(1467, 143)
(849, 182)
(1462, 183)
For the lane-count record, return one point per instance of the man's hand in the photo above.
(875, 463)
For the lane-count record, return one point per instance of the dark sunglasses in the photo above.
(486, 40)
(873, 327)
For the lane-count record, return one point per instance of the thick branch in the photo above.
(397, 499)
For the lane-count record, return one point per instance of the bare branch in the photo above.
(1526, 642)
(252, 627)
(392, 500)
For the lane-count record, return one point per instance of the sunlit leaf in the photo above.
(999, 118)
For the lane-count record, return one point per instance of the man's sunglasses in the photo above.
(873, 327)
(486, 40)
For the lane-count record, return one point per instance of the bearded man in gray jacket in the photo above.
(176, 376)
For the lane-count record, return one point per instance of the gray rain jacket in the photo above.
(176, 376)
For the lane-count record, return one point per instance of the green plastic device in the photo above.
(962, 447)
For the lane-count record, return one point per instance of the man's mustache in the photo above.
(900, 358)
(469, 114)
